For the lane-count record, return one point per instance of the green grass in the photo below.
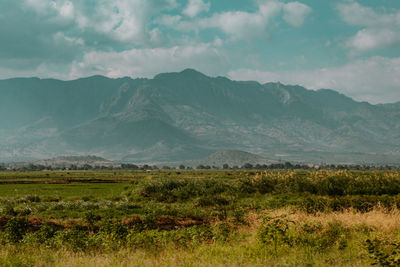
(191, 218)
(75, 190)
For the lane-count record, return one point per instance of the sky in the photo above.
(346, 45)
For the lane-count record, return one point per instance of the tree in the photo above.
(247, 166)
(225, 166)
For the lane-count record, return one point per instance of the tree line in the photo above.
(246, 166)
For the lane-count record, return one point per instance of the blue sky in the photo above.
(347, 45)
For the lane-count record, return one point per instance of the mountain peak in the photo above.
(186, 73)
(191, 72)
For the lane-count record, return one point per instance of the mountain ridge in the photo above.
(187, 116)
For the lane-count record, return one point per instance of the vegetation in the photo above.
(204, 217)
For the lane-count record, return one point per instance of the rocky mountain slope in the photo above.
(188, 116)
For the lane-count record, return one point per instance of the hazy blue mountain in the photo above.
(188, 116)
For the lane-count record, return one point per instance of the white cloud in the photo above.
(63, 9)
(379, 30)
(375, 80)
(295, 13)
(149, 62)
(60, 37)
(241, 25)
(66, 9)
(369, 39)
(195, 7)
(125, 21)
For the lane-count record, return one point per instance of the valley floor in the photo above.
(200, 218)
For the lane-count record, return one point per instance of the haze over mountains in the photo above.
(188, 116)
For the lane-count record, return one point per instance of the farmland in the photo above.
(199, 218)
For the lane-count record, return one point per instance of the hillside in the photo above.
(188, 116)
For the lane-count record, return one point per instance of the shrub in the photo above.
(313, 204)
(75, 238)
(222, 231)
(32, 198)
(389, 256)
(275, 231)
(91, 218)
(172, 190)
(45, 233)
(319, 237)
(16, 229)
(114, 231)
(8, 210)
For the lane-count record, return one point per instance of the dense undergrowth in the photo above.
(266, 218)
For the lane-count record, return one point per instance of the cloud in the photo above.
(375, 80)
(151, 61)
(379, 30)
(295, 13)
(124, 21)
(194, 7)
(241, 25)
(37, 33)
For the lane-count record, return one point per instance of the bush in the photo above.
(16, 228)
(384, 256)
(172, 190)
(32, 198)
(91, 218)
(45, 234)
(75, 238)
(114, 231)
(319, 237)
(275, 231)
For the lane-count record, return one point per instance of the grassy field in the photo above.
(200, 218)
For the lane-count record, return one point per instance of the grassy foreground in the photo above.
(200, 218)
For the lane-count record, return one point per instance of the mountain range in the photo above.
(188, 116)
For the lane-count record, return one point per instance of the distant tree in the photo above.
(73, 167)
(129, 166)
(247, 166)
(200, 167)
(225, 166)
(181, 167)
(146, 167)
(288, 165)
(87, 167)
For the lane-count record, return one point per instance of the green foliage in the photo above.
(75, 238)
(185, 210)
(44, 235)
(389, 256)
(91, 218)
(275, 231)
(172, 190)
(16, 228)
(114, 231)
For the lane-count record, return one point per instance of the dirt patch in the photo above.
(132, 221)
(167, 223)
(35, 223)
(3, 221)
